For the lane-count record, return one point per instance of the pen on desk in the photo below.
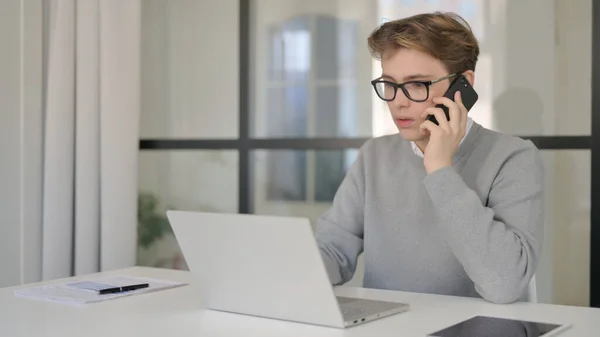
(123, 289)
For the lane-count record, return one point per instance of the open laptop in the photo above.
(266, 266)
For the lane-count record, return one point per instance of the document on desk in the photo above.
(88, 291)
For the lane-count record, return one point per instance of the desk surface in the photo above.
(178, 312)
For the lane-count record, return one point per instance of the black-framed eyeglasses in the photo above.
(416, 91)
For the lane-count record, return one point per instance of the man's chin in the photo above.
(412, 134)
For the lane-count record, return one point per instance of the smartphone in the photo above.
(468, 95)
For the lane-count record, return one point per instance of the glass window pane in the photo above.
(563, 273)
(336, 46)
(190, 69)
(287, 176)
(286, 111)
(290, 50)
(333, 101)
(298, 182)
(184, 180)
(330, 168)
(321, 46)
(531, 79)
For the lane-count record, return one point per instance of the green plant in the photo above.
(152, 225)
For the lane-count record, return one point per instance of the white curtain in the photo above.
(91, 135)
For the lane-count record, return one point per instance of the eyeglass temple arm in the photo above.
(443, 78)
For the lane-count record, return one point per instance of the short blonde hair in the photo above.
(445, 36)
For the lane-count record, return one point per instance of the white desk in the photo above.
(178, 312)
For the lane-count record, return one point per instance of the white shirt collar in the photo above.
(418, 151)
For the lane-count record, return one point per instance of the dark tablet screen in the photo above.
(483, 326)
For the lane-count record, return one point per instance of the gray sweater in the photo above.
(474, 229)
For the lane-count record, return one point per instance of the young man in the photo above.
(453, 208)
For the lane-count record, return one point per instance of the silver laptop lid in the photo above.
(264, 266)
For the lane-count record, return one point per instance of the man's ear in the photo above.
(470, 76)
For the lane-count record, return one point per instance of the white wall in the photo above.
(20, 141)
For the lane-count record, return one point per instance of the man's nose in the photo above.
(401, 101)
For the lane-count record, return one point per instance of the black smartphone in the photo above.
(467, 93)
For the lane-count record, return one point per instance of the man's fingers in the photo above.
(462, 116)
(456, 110)
(440, 116)
(428, 126)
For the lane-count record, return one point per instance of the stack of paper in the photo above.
(89, 291)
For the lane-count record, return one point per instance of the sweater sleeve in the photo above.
(498, 243)
(339, 231)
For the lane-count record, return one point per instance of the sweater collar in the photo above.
(418, 151)
(465, 147)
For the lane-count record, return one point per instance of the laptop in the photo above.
(267, 266)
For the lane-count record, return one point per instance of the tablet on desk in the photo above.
(484, 326)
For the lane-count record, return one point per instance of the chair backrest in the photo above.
(532, 291)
